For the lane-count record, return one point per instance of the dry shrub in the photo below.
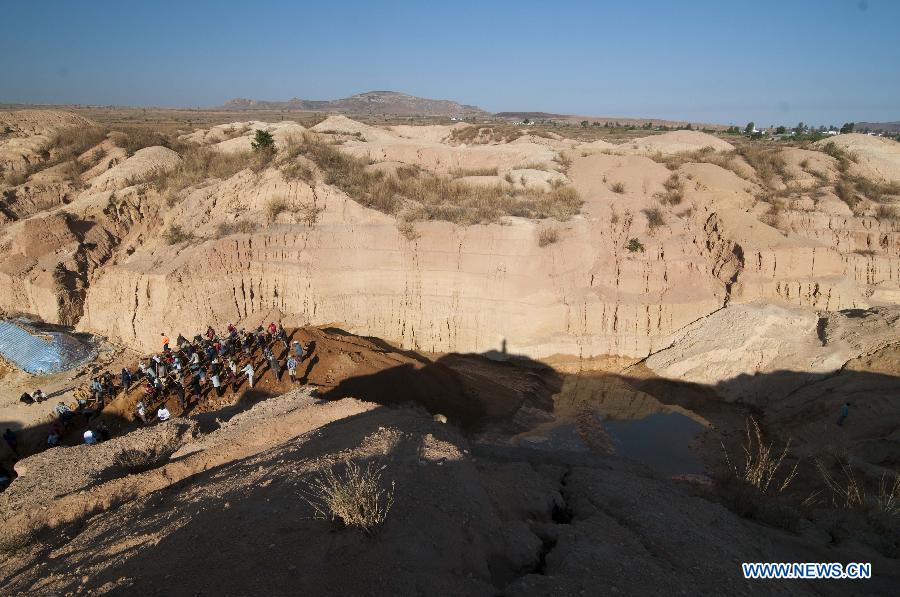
(133, 139)
(847, 193)
(134, 461)
(755, 489)
(275, 207)
(548, 236)
(887, 499)
(886, 212)
(175, 234)
(843, 157)
(846, 490)
(234, 132)
(424, 195)
(634, 246)
(564, 161)
(237, 227)
(462, 172)
(766, 161)
(354, 497)
(71, 171)
(199, 164)
(408, 230)
(762, 461)
(674, 193)
(707, 155)
(70, 142)
(496, 133)
(618, 187)
(508, 177)
(533, 166)
(14, 542)
(298, 171)
(67, 144)
(309, 213)
(874, 190)
(655, 217)
(14, 178)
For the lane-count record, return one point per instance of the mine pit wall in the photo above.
(468, 289)
(454, 289)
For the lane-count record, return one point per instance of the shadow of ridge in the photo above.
(259, 513)
(380, 344)
(471, 390)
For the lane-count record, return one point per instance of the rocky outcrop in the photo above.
(732, 348)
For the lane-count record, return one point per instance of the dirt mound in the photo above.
(134, 169)
(341, 124)
(25, 123)
(676, 142)
(40, 481)
(877, 158)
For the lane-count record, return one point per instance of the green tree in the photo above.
(780, 130)
(848, 127)
(749, 128)
(263, 140)
(584, 124)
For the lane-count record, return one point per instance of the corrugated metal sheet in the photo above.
(40, 352)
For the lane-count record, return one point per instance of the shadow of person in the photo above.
(309, 367)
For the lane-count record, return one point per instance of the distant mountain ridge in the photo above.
(881, 127)
(371, 102)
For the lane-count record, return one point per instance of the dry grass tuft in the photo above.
(533, 166)
(296, 170)
(199, 164)
(655, 217)
(762, 461)
(176, 235)
(564, 161)
(275, 207)
(354, 497)
(634, 245)
(846, 490)
(132, 139)
(309, 213)
(408, 230)
(618, 187)
(674, 193)
(766, 161)
(548, 236)
(238, 227)
(462, 172)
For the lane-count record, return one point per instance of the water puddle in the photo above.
(608, 415)
(661, 440)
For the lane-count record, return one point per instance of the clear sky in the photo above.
(726, 61)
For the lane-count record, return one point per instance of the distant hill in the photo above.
(879, 127)
(372, 102)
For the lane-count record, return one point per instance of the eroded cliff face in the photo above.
(452, 289)
(623, 277)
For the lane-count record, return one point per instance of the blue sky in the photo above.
(727, 61)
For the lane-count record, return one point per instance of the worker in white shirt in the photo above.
(163, 413)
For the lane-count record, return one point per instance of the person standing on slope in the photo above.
(292, 367)
(248, 370)
(845, 411)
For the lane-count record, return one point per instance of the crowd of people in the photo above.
(189, 371)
